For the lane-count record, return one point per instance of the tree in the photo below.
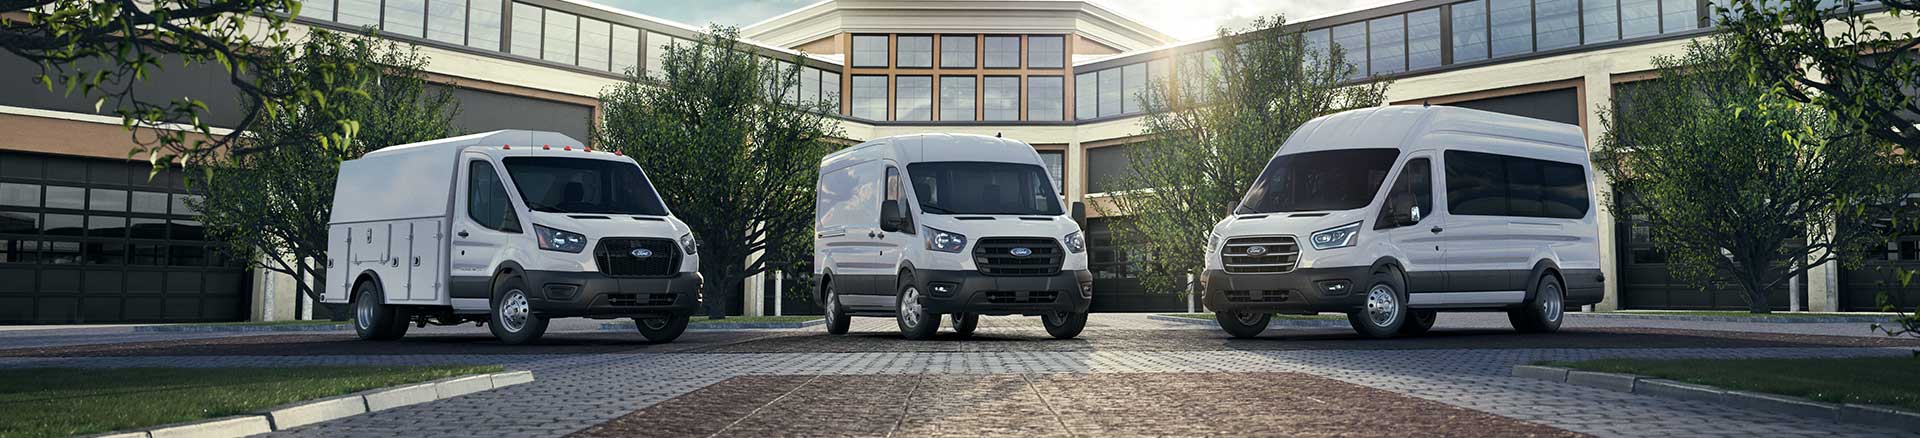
(1210, 134)
(1739, 183)
(272, 206)
(1834, 58)
(730, 155)
(105, 49)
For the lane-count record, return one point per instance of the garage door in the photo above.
(1647, 282)
(1116, 286)
(1861, 286)
(94, 241)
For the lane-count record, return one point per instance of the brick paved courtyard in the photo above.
(1126, 375)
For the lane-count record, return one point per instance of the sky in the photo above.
(1184, 19)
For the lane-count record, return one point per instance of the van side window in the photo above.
(487, 201)
(1499, 185)
(1415, 184)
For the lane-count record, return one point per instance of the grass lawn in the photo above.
(702, 319)
(1879, 380)
(1740, 314)
(1277, 317)
(44, 402)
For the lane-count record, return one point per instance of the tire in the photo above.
(1419, 322)
(964, 323)
(915, 323)
(1385, 308)
(1544, 313)
(1243, 325)
(512, 319)
(374, 320)
(837, 320)
(661, 330)
(1064, 325)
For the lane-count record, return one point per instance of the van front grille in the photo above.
(1258, 296)
(1260, 255)
(1021, 297)
(615, 257)
(995, 256)
(640, 300)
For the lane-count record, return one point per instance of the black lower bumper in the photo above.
(973, 292)
(592, 294)
(1300, 291)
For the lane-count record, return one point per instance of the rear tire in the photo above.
(964, 323)
(911, 313)
(1064, 325)
(1385, 308)
(837, 320)
(662, 330)
(374, 320)
(1243, 325)
(512, 319)
(1544, 313)
(1419, 322)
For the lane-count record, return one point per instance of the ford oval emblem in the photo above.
(1256, 251)
(642, 253)
(1020, 252)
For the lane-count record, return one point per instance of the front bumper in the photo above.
(592, 294)
(974, 292)
(1306, 290)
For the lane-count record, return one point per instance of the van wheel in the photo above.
(513, 320)
(911, 313)
(1243, 324)
(964, 323)
(661, 330)
(373, 319)
(1064, 325)
(1419, 322)
(837, 321)
(1543, 314)
(1384, 311)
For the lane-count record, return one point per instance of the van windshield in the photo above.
(1343, 179)
(970, 187)
(576, 185)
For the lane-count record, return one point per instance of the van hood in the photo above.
(1297, 223)
(596, 226)
(975, 226)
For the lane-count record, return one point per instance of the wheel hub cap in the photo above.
(1382, 306)
(513, 312)
(363, 313)
(1247, 318)
(1550, 303)
(910, 309)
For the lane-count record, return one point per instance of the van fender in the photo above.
(820, 293)
(505, 269)
(367, 275)
(906, 270)
(1391, 266)
(1541, 268)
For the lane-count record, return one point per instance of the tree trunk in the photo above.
(719, 289)
(1757, 302)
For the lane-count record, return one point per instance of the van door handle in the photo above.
(463, 233)
(1435, 230)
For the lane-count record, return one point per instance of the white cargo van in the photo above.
(918, 226)
(1392, 214)
(508, 228)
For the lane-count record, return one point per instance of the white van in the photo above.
(1392, 214)
(508, 228)
(918, 226)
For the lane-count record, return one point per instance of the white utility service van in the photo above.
(1392, 214)
(918, 226)
(510, 229)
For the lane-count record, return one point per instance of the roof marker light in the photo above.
(546, 147)
(566, 148)
(506, 147)
(618, 154)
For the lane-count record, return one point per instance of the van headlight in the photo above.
(559, 240)
(1337, 237)
(945, 241)
(688, 244)
(1076, 243)
(1213, 241)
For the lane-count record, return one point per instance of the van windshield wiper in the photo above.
(932, 209)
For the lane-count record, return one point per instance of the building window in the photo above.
(1423, 39)
(869, 50)
(1157, 71)
(559, 43)
(957, 101)
(1602, 21)
(1111, 88)
(1046, 98)
(1351, 40)
(596, 44)
(483, 24)
(1512, 27)
(1134, 78)
(657, 46)
(626, 49)
(315, 9)
(1558, 22)
(809, 86)
(360, 13)
(1002, 98)
(913, 98)
(1469, 31)
(1086, 99)
(447, 21)
(526, 30)
(1317, 46)
(830, 89)
(1056, 163)
(405, 17)
(916, 51)
(870, 97)
(1639, 18)
(1046, 51)
(1002, 52)
(1387, 47)
(956, 51)
(1678, 16)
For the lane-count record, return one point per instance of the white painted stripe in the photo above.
(1460, 298)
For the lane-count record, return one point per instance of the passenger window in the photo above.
(1498, 185)
(1476, 184)
(487, 201)
(1415, 185)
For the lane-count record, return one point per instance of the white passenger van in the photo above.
(1392, 214)
(507, 228)
(918, 226)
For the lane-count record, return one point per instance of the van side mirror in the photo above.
(1078, 210)
(892, 219)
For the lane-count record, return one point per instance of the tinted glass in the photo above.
(1678, 15)
(21, 195)
(1563, 190)
(956, 98)
(870, 51)
(66, 197)
(526, 30)
(1111, 91)
(1476, 184)
(956, 51)
(447, 21)
(870, 97)
(1601, 20)
(1639, 18)
(965, 187)
(483, 24)
(1351, 41)
(913, 98)
(1498, 185)
(559, 44)
(1523, 187)
(487, 201)
(1423, 39)
(1415, 182)
(140, 228)
(1046, 52)
(19, 222)
(916, 51)
(1512, 27)
(1387, 50)
(1002, 98)
(1086, 96)
(571, 185)
(1135, 78)
(1469, 31)
(359, 12)
(405, 17)
(596, 44)
(1047, 98)
(1002, 52)
(107, 200)
(1319, 181)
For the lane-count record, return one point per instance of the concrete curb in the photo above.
(1752, 319)
(626, 326)
(331, 408)
(241, 328)
(1278, 323)
(1869, 415)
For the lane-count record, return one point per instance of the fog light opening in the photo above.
(1335, 287)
